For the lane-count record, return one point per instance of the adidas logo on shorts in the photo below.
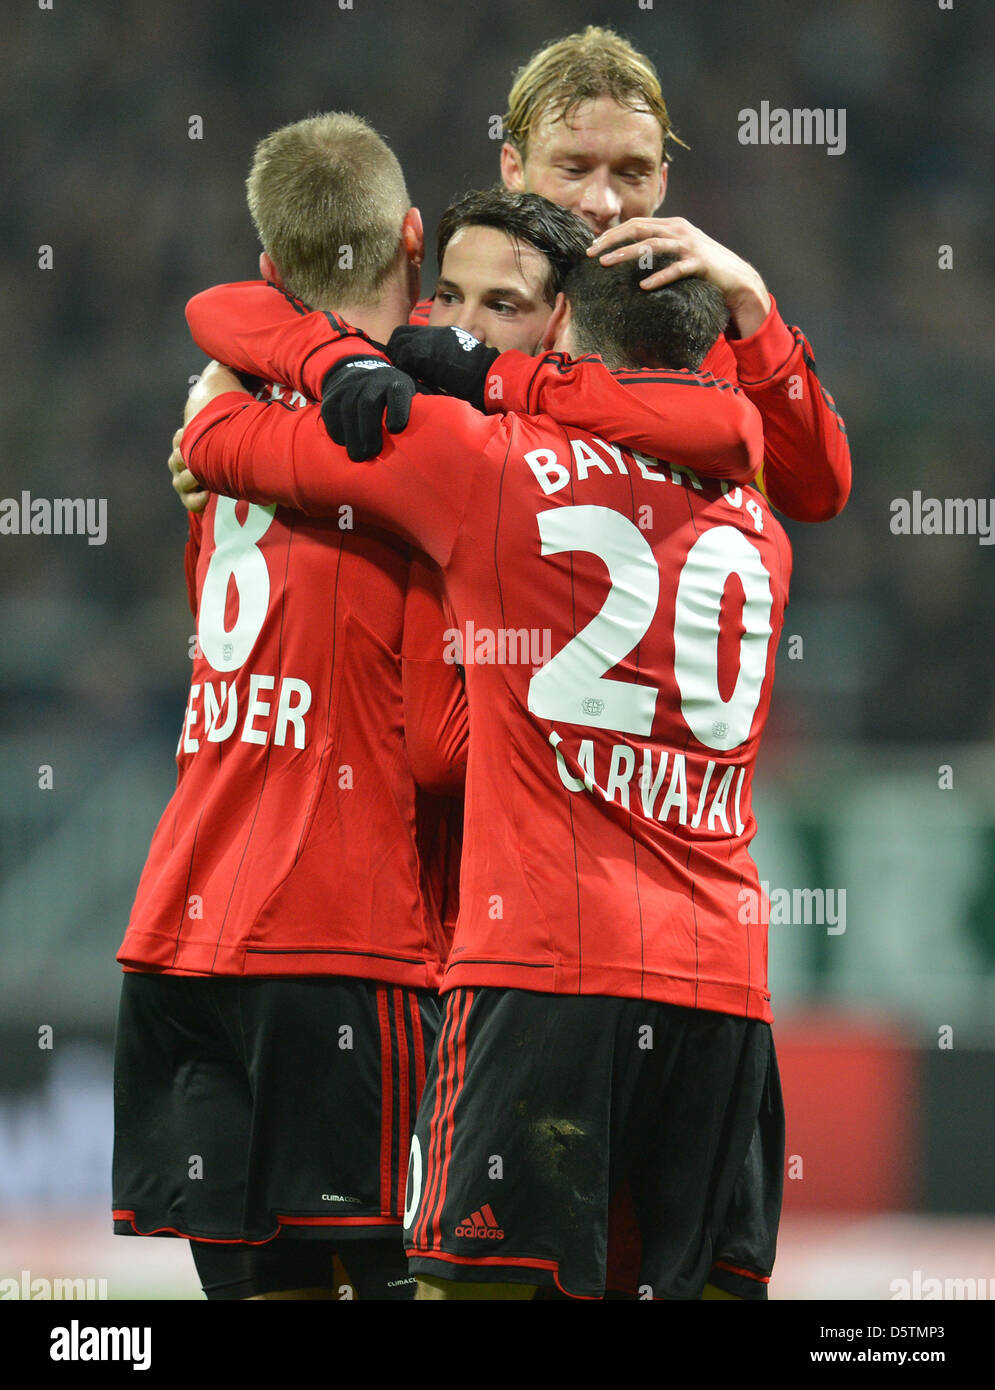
(482, 1225)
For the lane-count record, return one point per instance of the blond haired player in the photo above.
(587, 126)
(283, 953)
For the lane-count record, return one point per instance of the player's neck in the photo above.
(379, 320)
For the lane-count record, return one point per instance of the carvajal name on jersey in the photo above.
(267, 710)
(54, 516)
(658, 780)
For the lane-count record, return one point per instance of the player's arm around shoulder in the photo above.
(692, 419)
(419, 485)
(256, 327)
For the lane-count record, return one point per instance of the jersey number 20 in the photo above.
(572, 687)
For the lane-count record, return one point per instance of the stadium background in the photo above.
(885, 1030)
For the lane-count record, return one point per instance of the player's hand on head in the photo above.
(697, 254)
(449, 358)
(188, 490)
(214, 380)
(360, 397)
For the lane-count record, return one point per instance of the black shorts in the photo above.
(368, 1269)
(250, 1108)
(539, 1109)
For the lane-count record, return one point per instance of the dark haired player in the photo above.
(607, 1016)
(502, 258)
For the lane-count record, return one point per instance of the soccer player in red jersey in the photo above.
(587, 127)
(507, 255)
(607, 1013)
(283, 955)
(498, 277)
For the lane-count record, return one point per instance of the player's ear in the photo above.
(557, 334)
(663, 183)
(512, 168)
(413, 236)
(413, 249)
(268, 270)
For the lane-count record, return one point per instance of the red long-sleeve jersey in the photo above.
(618, 621)
(688, 419)
(806, 471)
(298, 840)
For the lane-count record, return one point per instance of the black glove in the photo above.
(354, 396)
(446, 357)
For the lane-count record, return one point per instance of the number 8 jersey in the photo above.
(289, 845)
(617, 619)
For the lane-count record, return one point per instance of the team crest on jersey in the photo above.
(467, 341)
(592, 705)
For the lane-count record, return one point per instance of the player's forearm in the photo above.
(807, 467)
(806, 454)
(270, 453)
(436, 724)
(255, 327)
(265, 453)
(690, 419)
(748, 307)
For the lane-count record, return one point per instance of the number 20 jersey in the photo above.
(617, 622)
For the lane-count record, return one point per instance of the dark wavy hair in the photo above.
(559, 235)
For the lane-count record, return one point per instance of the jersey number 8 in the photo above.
(236, 556)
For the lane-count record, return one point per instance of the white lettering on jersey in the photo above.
(219, 717)
(256, 707)
(711, 805)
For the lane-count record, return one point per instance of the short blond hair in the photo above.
(579, 68)
(328, 199)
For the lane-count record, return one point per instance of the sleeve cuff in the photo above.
(321, 359)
